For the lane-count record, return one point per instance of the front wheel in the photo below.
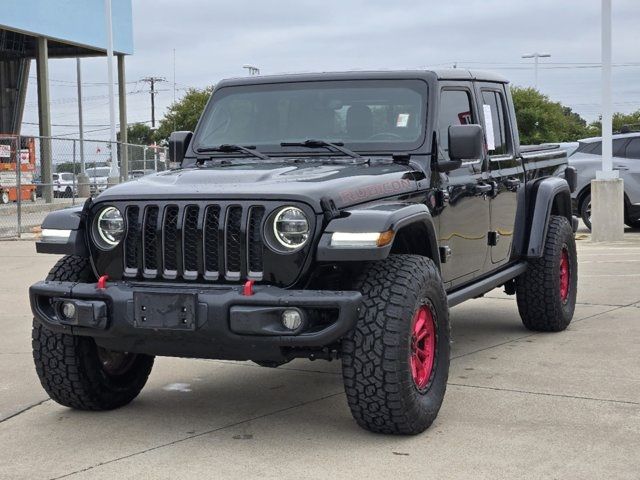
(546, 292)
(395, 363)
(74, 370)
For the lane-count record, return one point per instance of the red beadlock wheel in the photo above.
(423, 347)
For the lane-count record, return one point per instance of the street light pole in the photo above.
(114, 174)
(536, 56)
(607, 115)
(253, 70)
(607, 190)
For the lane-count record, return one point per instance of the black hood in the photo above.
(345, 184)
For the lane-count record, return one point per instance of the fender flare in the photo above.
(66, 219)
(546, 196)
(376, 218)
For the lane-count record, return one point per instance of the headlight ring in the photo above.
(288, 229)
(108, 228)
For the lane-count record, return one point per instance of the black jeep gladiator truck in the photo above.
(321, 216)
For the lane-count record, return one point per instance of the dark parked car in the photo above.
(327, 216)
(587, 159)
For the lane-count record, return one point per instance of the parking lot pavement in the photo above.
(518, 405)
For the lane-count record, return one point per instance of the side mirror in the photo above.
(466, 142)
(178, 143)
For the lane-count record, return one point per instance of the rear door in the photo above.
(505, 170)
(464, 221)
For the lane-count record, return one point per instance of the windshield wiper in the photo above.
(337, 146)
(229, 148)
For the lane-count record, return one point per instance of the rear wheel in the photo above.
(585, 210)
(76, 372)
(546, 292)
(395, 363)
(633, 223)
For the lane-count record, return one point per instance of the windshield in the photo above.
(367, 115)
(98, 172)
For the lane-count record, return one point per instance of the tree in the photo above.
(183, 114)
(621, 122)
(139, 134)
(542, 121)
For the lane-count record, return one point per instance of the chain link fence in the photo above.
(41, 174)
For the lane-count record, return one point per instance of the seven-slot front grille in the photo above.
(194, 241)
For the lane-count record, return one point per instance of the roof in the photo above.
(438, 74)
(73, 27)
(615, 137)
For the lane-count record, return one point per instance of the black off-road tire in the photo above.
(72, 369)
(538, 290)
(380, 389)
(585, 210)
(632, 223)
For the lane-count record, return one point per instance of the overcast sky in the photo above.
(213, 39)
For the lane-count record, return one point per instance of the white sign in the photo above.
(488, 128)
(5, 151)
(403, 120)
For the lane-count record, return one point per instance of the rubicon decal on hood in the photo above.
(392, 187)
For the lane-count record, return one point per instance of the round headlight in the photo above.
(109, 227)
(291, 228)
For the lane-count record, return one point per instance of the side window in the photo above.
(633, 149)
(455, 109)
(495, 122)
(618, 147)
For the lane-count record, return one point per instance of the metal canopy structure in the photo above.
(42, 29)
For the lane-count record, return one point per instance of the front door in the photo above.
(506, 173)
(464, 220)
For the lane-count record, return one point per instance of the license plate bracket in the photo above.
(170, 311)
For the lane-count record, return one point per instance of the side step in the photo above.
(485, 285)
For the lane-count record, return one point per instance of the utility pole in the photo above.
(535, 57)
(152, 90)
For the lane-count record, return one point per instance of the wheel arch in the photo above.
(547, 196)
(412, 224)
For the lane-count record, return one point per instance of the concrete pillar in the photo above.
(44, 118)
(607, 210)
(122, 106)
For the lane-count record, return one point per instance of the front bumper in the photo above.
(196, 321)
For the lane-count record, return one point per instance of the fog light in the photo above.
(68, 310)
(291, 319)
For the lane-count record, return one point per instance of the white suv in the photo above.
(64, 185)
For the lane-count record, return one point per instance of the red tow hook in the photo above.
(247, 290)
(102, 282)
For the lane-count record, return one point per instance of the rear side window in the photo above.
(455, 109)
(633, 149)
(493, 105)
(595, 148)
